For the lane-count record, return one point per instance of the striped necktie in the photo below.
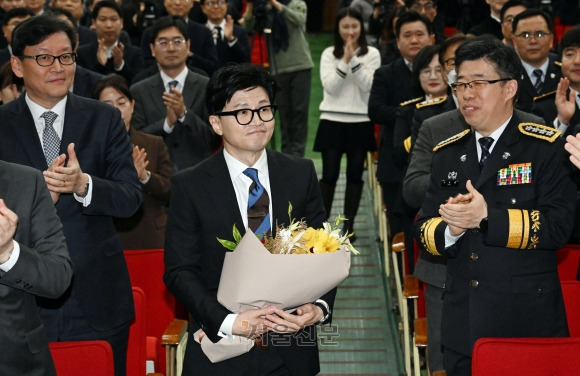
(485, 143)
(258, 205)
(50, 140)
(538, 84)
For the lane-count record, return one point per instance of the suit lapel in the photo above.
(25, 127)
(74, 123)
(189, 90)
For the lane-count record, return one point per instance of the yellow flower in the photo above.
(319, 241)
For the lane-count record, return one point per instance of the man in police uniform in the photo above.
(497, 211)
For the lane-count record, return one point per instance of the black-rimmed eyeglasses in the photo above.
(46, 60)
(244, 116)
(459, 87)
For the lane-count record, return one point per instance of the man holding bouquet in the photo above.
(208, 199)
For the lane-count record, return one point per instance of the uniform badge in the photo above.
(506, 155)
(463, 158)
(552, 75)
(451, 180)
(520, 173)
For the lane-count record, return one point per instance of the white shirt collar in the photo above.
(530, 70)
(37, 111)
(180, 79)
(236, 168)
(495, 135)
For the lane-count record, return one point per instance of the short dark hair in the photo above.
(16, 13)
(510, 4)
(504, 59)
(114, 81)
(412, 16)
(409, 3)
(106, 4)
(231, 78)
(338, 42)
(166, 22)
(532, 12)
(7, 77)
(458, 37)
(571, 38)
(421, 61)
(65, 12)
(36, 29)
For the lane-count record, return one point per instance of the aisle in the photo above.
(362, 339)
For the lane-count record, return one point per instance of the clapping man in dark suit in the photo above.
(34, 261)
(231, 40)
(85, 153)
(108, 54)
(171, 103)
(208, 199)
(413, 31)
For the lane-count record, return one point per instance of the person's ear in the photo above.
(216, 124)
(16, 64)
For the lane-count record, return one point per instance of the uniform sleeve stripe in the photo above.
(519, 229)
(429, 235)
(526, 234)
(407, 144)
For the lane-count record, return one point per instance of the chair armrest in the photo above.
(174, 332)
(420, 326)
(411, 290)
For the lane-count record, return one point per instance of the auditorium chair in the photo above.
(568, 260)
(526, 356)
(165, 319)
(87, 358)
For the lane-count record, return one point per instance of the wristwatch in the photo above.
(86, 189)
(325, 309)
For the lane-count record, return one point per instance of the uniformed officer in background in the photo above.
(498, 206)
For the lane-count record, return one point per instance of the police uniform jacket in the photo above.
(502, 282)
(528, 93)
(545, 106)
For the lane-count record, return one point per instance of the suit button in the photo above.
(514, 201)
(540, 292)
(474, 283)
(474, 257)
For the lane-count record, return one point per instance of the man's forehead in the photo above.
(44, 44)
(413, 27)
(170, 33)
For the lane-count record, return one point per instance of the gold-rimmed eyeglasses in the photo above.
(477, 85)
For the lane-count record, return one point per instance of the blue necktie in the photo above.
(173, 83)
(258, 205)
(485, 143)
(538, 83)
(50, 140)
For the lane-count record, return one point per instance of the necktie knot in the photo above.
(50, 140)
(538, 84)
(258, 204)
(172, 84)
(485, 143)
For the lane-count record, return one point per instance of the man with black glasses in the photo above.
(533, 39)
(498, 206)
(84, 151)
(171, 103)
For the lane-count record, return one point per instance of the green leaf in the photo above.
(227, 244)
(237, 235)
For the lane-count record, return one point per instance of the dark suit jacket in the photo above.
(487, 26)
(201, 44)
(4, 55)
(429, 268)
(146, 228)
(87, 57)
(204, 206)
(85, 81)
(239, 52)
(43, 269)
(191, 141)
(502, 282)
(86, 35)
(101, 284)
(546, 108)
(528, 93)
(386, 95)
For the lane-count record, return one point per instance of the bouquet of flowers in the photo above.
(296, 266)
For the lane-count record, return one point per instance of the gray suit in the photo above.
(429, 268)
(191, 140)
(43, 269)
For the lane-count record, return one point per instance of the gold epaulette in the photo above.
(558, 63)
(544, 95)
(427, 235)
(431, 102)
(540, 131)
(451, 139)
(407, 144)
(410, 101)
(524, 227)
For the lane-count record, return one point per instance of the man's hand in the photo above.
(464, 211)
(141, 162)
(102, 52)
(173, 101)
(8, 223)
(252, 323)
(566, 105)
(58, 161)
(69, 178)
(283, 322)
(573, 147)
(229, 29)
(118, 53)
(276, 5)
